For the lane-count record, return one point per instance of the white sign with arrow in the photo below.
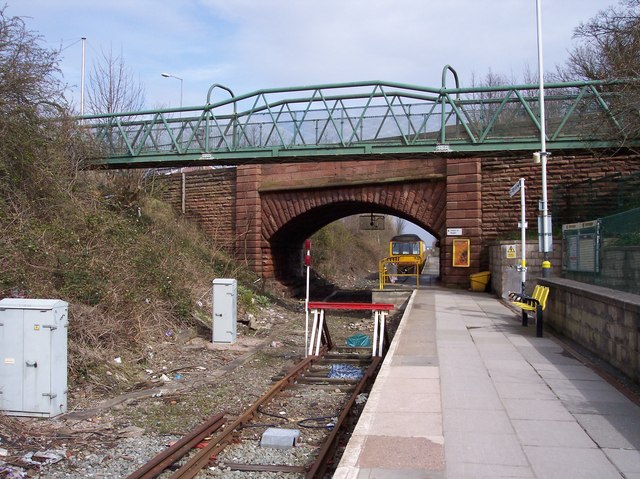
(515, 188)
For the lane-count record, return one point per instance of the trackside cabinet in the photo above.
(225, 310)
(33, 357)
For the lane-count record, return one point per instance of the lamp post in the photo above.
(544, 226)
(167, 75)
(184, 179)
(84, 41)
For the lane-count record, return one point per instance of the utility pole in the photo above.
(544, 221)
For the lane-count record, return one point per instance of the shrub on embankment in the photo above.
(129, 268)
(347, 255)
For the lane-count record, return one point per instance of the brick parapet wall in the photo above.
(348, 172)
(210, 197)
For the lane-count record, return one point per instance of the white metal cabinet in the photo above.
(225, 310)
(33, 357)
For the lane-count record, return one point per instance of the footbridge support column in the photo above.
(463, 213)
(248, 213)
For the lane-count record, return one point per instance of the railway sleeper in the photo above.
(309, 373)
(263, 467)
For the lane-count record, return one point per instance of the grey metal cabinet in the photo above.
(225, 310)
(33, 357)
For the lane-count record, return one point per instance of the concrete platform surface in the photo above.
(466, 391)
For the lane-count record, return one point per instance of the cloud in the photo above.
(304, 41)
(253, 44)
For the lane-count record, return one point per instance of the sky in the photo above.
(248, 45)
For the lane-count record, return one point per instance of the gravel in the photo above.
(110, 437)
(119, 461)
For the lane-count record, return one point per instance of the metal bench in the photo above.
(534, 303)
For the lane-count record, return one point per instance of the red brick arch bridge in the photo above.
(264, 212)
(299, 158)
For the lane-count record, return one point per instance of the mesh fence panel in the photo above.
(617, 247)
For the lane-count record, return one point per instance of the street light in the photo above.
(545, 226)
(184, 180)
(167, 75)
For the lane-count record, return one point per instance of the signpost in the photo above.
(519, 187)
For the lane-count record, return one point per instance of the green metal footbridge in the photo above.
(366, 119)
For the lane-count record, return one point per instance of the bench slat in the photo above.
(530, 303)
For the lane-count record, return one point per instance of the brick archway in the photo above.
(278, 206)
(288, 217)
(253, 209)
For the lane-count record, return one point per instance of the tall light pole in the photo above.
(167, 75)
(184, 179)
(84, 41)
(544, 227)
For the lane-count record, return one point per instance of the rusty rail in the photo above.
(193, 466)
(319, 466)
(178, 450)
(218, 443)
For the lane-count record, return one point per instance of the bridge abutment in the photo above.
(263, 213)
(464, 214)
(248, 240)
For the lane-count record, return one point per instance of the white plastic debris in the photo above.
(43, 458)
(280, 438)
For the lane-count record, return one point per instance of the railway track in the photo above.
(329, 405)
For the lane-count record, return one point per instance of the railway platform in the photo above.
(466, 391)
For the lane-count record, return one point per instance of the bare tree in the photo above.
(112, 87)
(610, 49)
(610, 45)
(399, 225)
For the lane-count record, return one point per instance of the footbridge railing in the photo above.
(364, 118)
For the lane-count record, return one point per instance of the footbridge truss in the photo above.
(362, 119)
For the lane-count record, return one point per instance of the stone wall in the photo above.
(605, 321)
(464, 211)
(505, 277)
(323, 174)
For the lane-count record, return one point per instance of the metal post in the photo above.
(546, 264)
(383, 316)
(374, 350)
(168, 75)
(519, 186)
(539, 322)
(313, 332)
(84, 41)
(319, 337)
(523, 241)
(307, 262)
